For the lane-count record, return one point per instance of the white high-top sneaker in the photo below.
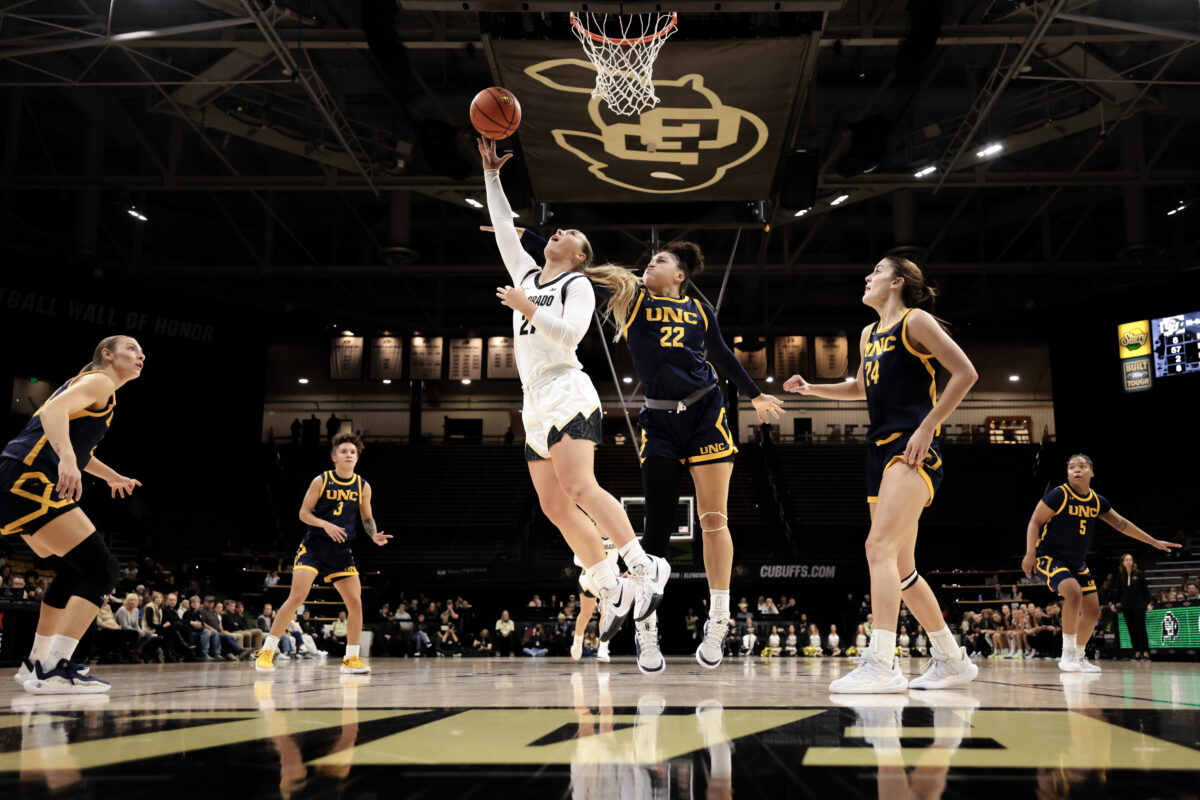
(649, 657)
(1069, 661)
(650, 580)
(943, 672)
(615, 606)
(871, 677)
(712, 646)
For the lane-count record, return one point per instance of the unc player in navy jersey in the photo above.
(40, 484)
(552, 310)
(1057, 541)
(331, 507)
(672, 338)
(897, 377)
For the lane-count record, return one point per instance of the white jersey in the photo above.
(544, 346)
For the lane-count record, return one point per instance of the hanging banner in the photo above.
(466, 359)
(346, 358)
(752, 355)
(832, 356)
(715, 135)
(426, 359)
(791, 356)
(387, 358)
(502, 361)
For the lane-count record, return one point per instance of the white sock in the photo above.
(578, 638)
(41, 648)
(943, 640)
(633, 554)
(883, 645)
(351, 650)
(721, 756)
(603, 649)
(603, 575)
(60, 647)
(271, 643)
(1081, 647)
(1068, 644)
(718, 604)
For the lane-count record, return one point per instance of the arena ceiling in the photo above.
(314, 156)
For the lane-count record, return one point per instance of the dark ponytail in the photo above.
(689, 256)
(916, 288)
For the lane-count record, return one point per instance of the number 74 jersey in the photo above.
(1068, 534)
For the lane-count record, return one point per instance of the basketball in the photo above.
(495, 113)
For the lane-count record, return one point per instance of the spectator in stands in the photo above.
(536, 602)
(692, 623)
(1132, 600)
(561, 636)
(1191, 594)
(762, 605)
(869, 625)
(814, 641)
(448, 643)
(833, 642)
(483, 646)
(591, 644)
(771, 608)
(504, 634)
(422, 644)
(790, 642)
(265, 618)
(170, 627)
(272, 579)
(312, 431)
(113, 642)
(202, 638)
(903, 641)
(743, 612)
(235, 622)
(860, 638)
(130, 619)
(231, 649)
(403, 633)
(340, 628)
(774, 642)
(536, 645)
(749, 640)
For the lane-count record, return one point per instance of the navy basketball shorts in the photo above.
(330, 560)
(1055, 570)
(697, 435)
(28, 499)
(886, 453)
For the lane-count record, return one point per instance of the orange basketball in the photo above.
(495, 113)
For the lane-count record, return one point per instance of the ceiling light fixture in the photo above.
(803, 211)
(921, 173)
(841, 198)
(990, 150)
(471, 201)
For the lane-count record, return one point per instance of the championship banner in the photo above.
(791, 356)
(832, 356)
(387, 358)
(426, 359)
(502, 361)
(752, 355)
(346, 358)
(716, 134)
(466, 359)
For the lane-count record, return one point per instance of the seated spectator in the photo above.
(1191, 594)
(422, 644)
(920, 642)
(234, 621)
(272, 578)
(749, 640)
(483, 647)
(833, 642)
(770, 608)
(561, 635)
(790, 642)
(860, 638)
(814, 641)
(448, 643)
(536, 602)
(505, 628)
(774, 642)
(402, 633)
(340, 630)
(170, 628)
(113, 643)
(231, 649)
(536, 645)
(591, 644)
(202, 638)
(148, 645)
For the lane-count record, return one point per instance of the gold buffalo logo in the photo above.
(689, 141)
(1133, 339)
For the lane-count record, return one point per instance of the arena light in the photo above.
(1014, 378)
(802, 212)
(924, 171)
(471, 201)
(466, 381)
(387, 381)
(347, 333)
(770, 379)
(139, 216)
(302, 381)
(1177, 209)
(990, 150)
(841, 198)
(627, 379)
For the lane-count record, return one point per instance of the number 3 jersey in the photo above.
(1068, 534)
(338, 504)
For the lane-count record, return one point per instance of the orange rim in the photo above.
(596, 37)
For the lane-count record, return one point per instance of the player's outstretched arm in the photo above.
(1041, 515)
(368, 518)
(309, 518)
(846, 390)
(1122, 525)
(516, 260)
(119, 484)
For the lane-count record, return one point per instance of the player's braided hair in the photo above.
(342, 438)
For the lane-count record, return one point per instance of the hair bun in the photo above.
(691, 258)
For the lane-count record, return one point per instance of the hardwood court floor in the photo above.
(452, 728)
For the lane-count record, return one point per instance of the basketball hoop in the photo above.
(624, 62)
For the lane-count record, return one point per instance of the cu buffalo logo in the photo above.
(1170, 627)
(689, 141)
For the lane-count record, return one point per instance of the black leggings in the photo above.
(660, 483)
(1135, 620)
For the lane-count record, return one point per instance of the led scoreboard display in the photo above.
(1176, 342)
(1158, 348)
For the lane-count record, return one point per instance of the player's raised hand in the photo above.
(335, 533)
(796, 385)
(487, 150)
(767, 406)
(490, 229)
(122, 486)
(380, 538)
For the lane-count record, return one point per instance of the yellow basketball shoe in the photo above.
(265, 660)
(353, 665)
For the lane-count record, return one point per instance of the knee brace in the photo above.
(62, 588)
(721, 517)
(908, 582)
(98, 569)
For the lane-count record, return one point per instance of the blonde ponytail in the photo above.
(622, 285)
(108, 343)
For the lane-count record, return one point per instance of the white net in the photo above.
(623, 48)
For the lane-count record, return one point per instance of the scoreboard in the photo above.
(1176, 343)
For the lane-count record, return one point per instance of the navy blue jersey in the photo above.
(1068, 534)
(86, 428)
(338, 504)
(900, 381)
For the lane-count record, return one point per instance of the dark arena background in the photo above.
(281, 202)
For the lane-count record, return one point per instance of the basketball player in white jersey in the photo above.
(552, 309)
(588, 593)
